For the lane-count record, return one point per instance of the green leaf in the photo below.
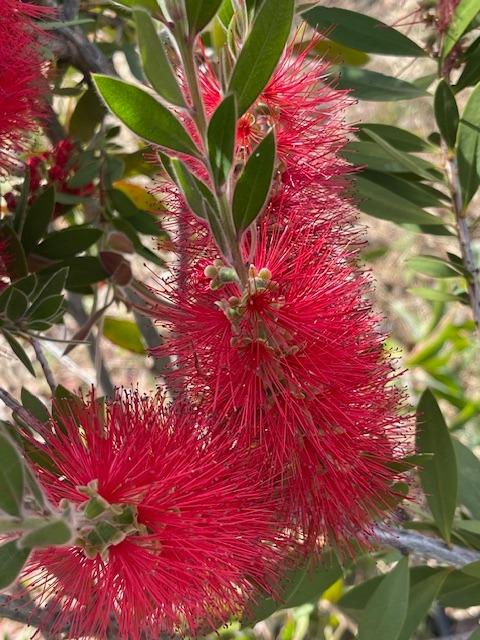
(16, 262)
(475, 635)
(151, 5)
(471, 71)
(253, 186)
(46, 309)
(156, 65)
(68, 242)
(468, 466)
(399, 138)
(416, 193)
(11, 477)
(463, 15)
(261, 51)
(55, 533)
(200, 12)
(380, 159)
(84, 270)
(197, 194)
(12, 560)
(17, 304)
(38, 217)
(52, 284)
(468, 146)
(446, 113)
(433, 267)
(304, 584)
(434, 294)
(34, 405)
(360, 31)
(88, 114)
(221, 139)
(144, 115)
(123, 333)
(382, 203)
(86, 174)
(143, 221)
(386, 611)
(376, 87)
(19, 351)
(438, 476)
(420, 600)
(411, 163)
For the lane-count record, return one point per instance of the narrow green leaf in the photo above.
(376, 158)
(155, 62)
(19, 351)
(46, 308)
(151, 5)
(12, 560)
(361, 32)
(84, 270)
(200, 13)
(446, 113)
(55, 533)
(34, 405)
(87, 115)
(376, 87)
(51, 285)
(144, 115)
(399, 138)
(124, 333)
(434, 295)
(433, 267)
(261, 51)
(471, 71)
(475, 635)
(86, 174)
(386, 611)
(464, 13)
(468, 466)
(379, 202)
(68, 242)
(221, 139)
(17, 304)
(38, 217)
(420, 600)
(409, 162)
(468, 146)
(11, 477)
(439, 475)
(194, 190)
(253, 186)
(416, 193)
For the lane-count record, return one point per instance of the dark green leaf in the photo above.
(12, 560)
(144, 115)
(420, 600)
(399, 138)
(304, 584)
(463, 15)
(34, 405)
(253, 186)
(156, 65)
(416, 193)
(378, 158)
(85, 174)
(385, 613)
(68, 242)
(151, 5)
(468, 146)
(221, 139)
(11, 477)
(376, 87)
(84, 270)
(124, 333)
(360, 31)
(55, 533)
(446, 113)
(38, 217)
(88, 114)
(15, 262)
(46, 309)
(468, 466)
(52, 284)
(261, 51)
(143, 221)
(382, 203)
(198, 196)
(19, 351)
(200, 12)
(460, 590)
(17, 304)
(471, 71)
(439, 475)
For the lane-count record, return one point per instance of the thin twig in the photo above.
(425, 547)
(15, 406)
(47, 372)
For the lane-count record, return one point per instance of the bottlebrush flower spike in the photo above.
(191, 526)
(295, 366)
(21, 73)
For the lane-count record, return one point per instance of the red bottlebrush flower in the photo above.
(445, 10)
(21, 73)
(191, 522)
(295, 366)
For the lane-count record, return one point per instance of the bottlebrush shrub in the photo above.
(175, 530)
(293, 362)
(21, 71)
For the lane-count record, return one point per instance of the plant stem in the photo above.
(48, 373)
(465, 240)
